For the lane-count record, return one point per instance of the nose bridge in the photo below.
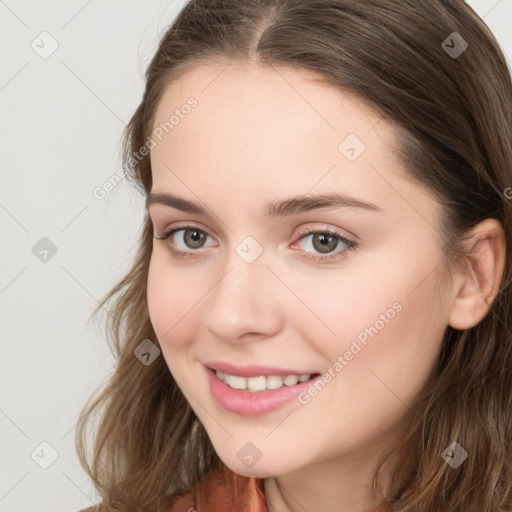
(242, 300)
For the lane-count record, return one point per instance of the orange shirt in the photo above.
(220, 494)
(222, 491)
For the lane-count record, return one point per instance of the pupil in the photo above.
(324, 243)
(195, 237)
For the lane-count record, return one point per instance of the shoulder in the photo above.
(212, 487)
(182, 502)
(220, 488)
(177, 503)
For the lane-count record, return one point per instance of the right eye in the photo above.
(191, 240)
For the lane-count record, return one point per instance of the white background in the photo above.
(60, 124)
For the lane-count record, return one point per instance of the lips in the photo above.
(247, 403)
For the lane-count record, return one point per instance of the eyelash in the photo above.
(350, 244)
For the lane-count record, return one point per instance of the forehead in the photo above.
(283, 94)
(266, 116)
(256, 131)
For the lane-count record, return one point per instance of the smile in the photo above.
(261, 382)
(258, 394)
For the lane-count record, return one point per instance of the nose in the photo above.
(243, 303)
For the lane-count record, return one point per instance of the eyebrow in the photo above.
(277, 208)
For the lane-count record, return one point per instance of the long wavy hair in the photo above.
(454, 116)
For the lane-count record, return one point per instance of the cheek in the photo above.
(386, 344)
(389, 327)
(171, 297)
(383, 315)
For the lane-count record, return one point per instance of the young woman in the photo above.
(319, 315)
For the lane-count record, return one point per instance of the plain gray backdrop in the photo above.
(71, 76)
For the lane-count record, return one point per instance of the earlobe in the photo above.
(480, 276)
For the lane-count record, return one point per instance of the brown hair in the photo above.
(454, 114)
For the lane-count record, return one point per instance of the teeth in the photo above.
(291, 380)
(235, 381)
(274, 382)
(261, 382)
(257, 383)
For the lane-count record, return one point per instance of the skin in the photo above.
(260, 134)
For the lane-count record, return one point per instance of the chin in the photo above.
(258, 471)
(261, 469)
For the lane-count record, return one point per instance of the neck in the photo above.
(340, 485)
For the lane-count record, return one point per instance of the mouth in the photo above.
(258, 394)
(262, 382)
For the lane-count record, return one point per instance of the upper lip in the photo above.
(253, 370)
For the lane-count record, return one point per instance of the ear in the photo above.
(480, 275)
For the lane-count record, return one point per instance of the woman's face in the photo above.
(312, 256)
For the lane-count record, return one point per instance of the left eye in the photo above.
(323, 242)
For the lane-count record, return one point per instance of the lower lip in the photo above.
(250, 403)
